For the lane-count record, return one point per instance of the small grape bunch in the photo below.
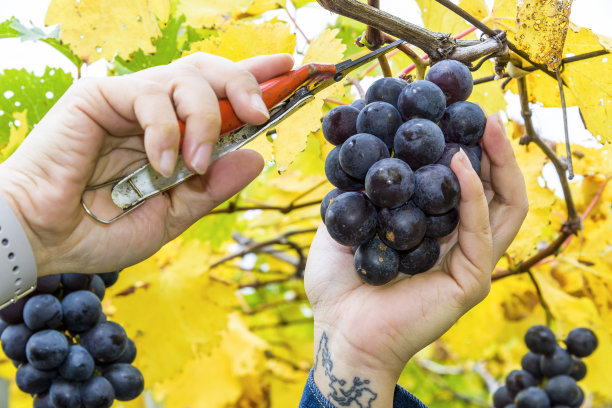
(67, 354)
(395, 193)
(549, 374)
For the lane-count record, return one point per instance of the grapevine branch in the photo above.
(233, 207)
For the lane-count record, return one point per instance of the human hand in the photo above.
(364, 335)
(104, 128)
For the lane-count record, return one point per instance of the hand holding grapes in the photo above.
(368, 332)
(105, 128)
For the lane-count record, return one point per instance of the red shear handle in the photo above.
(273, 92)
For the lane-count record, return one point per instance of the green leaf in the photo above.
(6, 31)
(216, 229)
(301, 3)
(25, 91)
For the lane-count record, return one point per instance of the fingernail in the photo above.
(167, 162)
(201, 158)
(465, 161)
(258, 104)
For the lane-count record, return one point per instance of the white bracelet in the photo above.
(17, 263)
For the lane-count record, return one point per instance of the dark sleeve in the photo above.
(312, 397)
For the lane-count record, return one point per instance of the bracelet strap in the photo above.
(17, 263)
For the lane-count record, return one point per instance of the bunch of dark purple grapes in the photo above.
(549, 371)
(66, 352)
(396, 194)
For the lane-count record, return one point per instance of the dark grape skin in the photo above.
(79, 364)
(477, 151)
(14, 340)
(126, 380)
(43, 312)
(65, 394)
(81, 310)
(439, 226)
(454, 79)
(579, 369)
(75, 281)
(97, 392)
(380, 119)
(449, 151)
(358, 104)
(436, 189)
(351, 219)
(421, 258)
(105, 342)
(47, 349)
(463, 122)
(109, 278)
(13, 314)
(401, 228)
(419, 142)
(581, 342)
(33, 380)
(532, 397)
(337, 176)
(563, 390)
(389, 183)
(43, 400)
(97, 287)
(518, 380)
(360, 152)
(3, 325)
(329, 197)
(129, 355)
(541, 340)
(48, 283)
(531, 363)
(421, 99)
(502, 397)
(376, 263)
(339, 124)
(558, 363)
(385, 89)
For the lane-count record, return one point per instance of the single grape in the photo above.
(337, 176)
(581, 342)
(420, 258)
(65, 394)
(421, 99)
(579, 369)
(519, 380)
(13, 314)
(541, 340)
(339, 124)
(43, 400)
(389, 183)
(463, 122)
(477, 151)
(358, 104)
(454, 79)
(125, 379)
(531, 363)
(360, 152)
(502, 397)
(47, 349)
(380, 119)
(48, 283)
(129, 355)
(97, 392)
(79, 364)
(436, 189)
(97, 287)
(558, 363)
(385, 89)
(81, 310)
(376, 263)
(401, 228)
(14, 339)
(33, 380)
(419, 142)
(105, 342)
(329, 197)
(351, 219)
(43, 312)
(75, 281)
(563, 390)
(439, 226)
(532, 397)
(449, 151)
(109, 278)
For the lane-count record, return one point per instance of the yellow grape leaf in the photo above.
(213, 13)
(170, 306)
(439, 18)
(98, 29)
(541, 29)
(292, 133)
(489, 95)
(263, 146)
(17, 135)
(232, 43)
(504, 17)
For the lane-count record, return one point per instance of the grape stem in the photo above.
(543, 302)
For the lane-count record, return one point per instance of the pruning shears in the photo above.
(283, 95)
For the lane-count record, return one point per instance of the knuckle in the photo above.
(212, 120)
(243, 77)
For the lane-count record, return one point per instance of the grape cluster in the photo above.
(66, 352)
(395, 193)
(549, 372)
